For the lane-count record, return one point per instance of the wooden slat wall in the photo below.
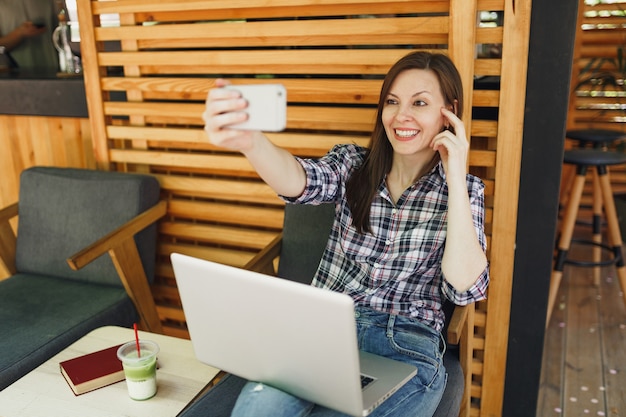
(331, 55)
(601, 30)
(33, 140)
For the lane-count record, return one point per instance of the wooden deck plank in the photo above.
(583, 370)
(550, 400)
(613, 320)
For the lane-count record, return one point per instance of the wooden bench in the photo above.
(147, 79)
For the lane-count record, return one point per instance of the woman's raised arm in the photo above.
(277, 167)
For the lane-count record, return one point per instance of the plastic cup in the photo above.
(140, 372)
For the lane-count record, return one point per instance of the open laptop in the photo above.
(292, 336)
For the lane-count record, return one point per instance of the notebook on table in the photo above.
(292, 336)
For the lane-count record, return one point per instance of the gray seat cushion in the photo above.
(40, 316)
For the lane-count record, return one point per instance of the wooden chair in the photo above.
(297, 252)
(60, 287)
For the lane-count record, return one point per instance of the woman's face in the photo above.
(411, 112)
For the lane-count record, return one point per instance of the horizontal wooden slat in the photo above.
(216, 234)
(476, 389)
(331, 118)
(210, 10)
(478, 343)
(298, 117)
(196, 139)
(224, 164)
(314, 144)
(169, 330)
(326, 61)
(173, 110)
(606, 37)
(163, 291)
(170, 313)
(491, 5)
(482, 158)
(597, 51)
(484, 128)
(227, 213)
(231, 257)
(600, 6)
(489, 187)
(480, 318)
(486, 98)
(238, 165)
(310, 90)
(491, 66)
(219, 189)
(401, 7)
(363, 31)
(155, 134)
(489, 35)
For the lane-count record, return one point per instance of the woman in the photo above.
(408, 231)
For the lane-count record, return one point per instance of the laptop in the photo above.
(292, 336)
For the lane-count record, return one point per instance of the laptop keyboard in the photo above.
(366, 380)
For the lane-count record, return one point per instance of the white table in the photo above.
(44, 392)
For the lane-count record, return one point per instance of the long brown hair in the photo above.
(362, 186)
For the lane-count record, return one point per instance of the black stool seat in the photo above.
(593, 157)
(596, 136)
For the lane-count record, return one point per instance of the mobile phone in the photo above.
(39, 24)
(267, 107)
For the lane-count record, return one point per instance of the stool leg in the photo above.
(565, 240)
(596, 225)
(567, 179)
(615, 235)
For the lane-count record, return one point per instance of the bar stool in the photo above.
(583, 159)
(596, 139)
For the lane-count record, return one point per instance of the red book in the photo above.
(93, 370)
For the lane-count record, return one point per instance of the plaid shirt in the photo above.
(397, 268)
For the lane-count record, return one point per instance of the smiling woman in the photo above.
(408, 233)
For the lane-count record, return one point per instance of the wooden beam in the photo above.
(510, 129)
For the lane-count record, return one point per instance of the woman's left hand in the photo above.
(453, 147)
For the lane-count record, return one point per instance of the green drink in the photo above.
(139, 370)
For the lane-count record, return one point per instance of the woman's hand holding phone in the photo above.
(234, 115)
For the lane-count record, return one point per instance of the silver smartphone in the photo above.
(267, 107)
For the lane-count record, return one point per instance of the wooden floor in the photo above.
(584, 359)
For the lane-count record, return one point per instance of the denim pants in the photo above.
(395, 337)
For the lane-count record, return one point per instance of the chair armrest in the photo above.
(263, 261)
(123, 251)
(117, 237)
(461, 332)
(455, 326)
(8, 212)
(7, 238)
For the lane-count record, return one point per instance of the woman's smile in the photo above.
(403, 134)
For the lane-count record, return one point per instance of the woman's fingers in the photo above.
(223, 107)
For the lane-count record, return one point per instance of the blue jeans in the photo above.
(395, 337)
